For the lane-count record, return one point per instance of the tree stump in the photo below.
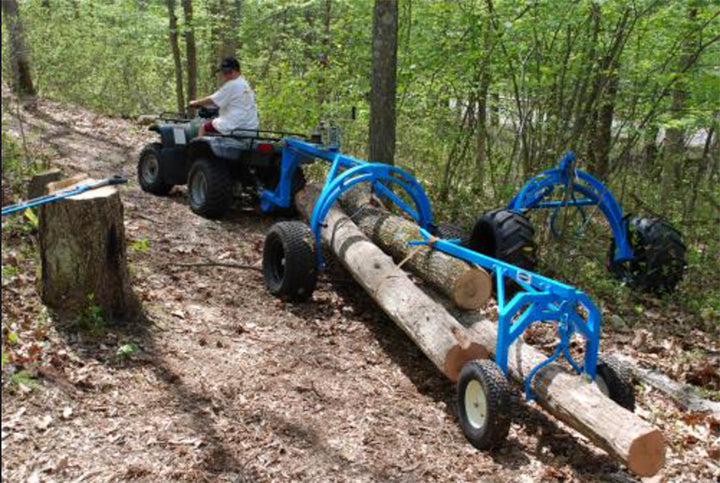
(83, 255)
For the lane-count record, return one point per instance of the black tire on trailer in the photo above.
(209, 188)
(659, 262)
(148, 171)
(450, 231)
(508, 236)
(289, 261)
(484, 404)
(614, 379)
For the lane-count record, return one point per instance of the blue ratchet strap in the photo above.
(41, 200)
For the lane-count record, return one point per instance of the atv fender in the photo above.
(226, 148)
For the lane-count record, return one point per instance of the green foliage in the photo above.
(24, 378)
(141, 245)
(126, 351)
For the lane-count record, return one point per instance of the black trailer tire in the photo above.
(209, 188)
(614, 380)
(449, 231)
(289, 265)
(508, 236)
(659, 262)
(148, 171)
(484, 404)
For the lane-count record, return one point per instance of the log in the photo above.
(469, 287)
(684, 395)
(83, 255)
(568, 397)
(429, 325)
(575, 401)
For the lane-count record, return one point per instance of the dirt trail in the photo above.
(230, 384)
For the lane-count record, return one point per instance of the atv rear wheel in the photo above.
(289, 261)
(508, 236)
(209, 188)
(148, 170)
(659, 256)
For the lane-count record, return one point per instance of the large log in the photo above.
(83, 255)
(575, 400)
(467, 286)
(429, 325)
(568, 397)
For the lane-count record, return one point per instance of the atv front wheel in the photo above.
(148, 170)
(483, 396)
(289, 261)
(209, 188)
(658, 263)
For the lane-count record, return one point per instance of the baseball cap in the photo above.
(228, 64)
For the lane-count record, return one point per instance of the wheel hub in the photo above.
(198, 189)
(475, 404)
(150, 169)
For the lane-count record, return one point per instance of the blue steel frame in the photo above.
(572, 182)
(541, 298)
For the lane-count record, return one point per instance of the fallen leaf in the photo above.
(44, 423)
(67, 412)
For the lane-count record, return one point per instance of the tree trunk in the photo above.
(190, 50)
(576, 402)
(83, 256)
(325, 54)
(429, 325)
(467, 286)
(176, 55)
(384, 75)
(19, 52)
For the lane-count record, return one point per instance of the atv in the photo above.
(217, 168)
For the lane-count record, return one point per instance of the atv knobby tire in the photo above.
(289, 261)
(658, 263)
(484, 404)
(148, 171)
(209, 188)
(508, 236)
(614, 380)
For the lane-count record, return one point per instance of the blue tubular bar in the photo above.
(532, 196)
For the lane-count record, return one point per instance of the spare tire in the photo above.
(658, 263)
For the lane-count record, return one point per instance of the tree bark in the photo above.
(575, 401)
(467, 286)
(190, 50)
(429, 325)
(83, 256)
(174, 45)
(19, 52)
(383, 87)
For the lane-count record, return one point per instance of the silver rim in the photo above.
(198, 188)
(150, 168)
(475, 404)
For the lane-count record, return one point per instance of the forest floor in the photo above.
(222, 382)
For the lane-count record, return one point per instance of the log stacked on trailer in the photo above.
(568, 397)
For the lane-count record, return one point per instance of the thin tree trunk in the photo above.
(176, 55)
(384, 76)
(19, 52)
(190, 50)
(325, 55)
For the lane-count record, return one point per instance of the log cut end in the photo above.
(457, 356)
(472, 289)
(647, 453)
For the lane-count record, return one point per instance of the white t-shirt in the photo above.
(236, 101)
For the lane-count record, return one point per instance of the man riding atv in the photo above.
(235, 99)
(219, 158)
